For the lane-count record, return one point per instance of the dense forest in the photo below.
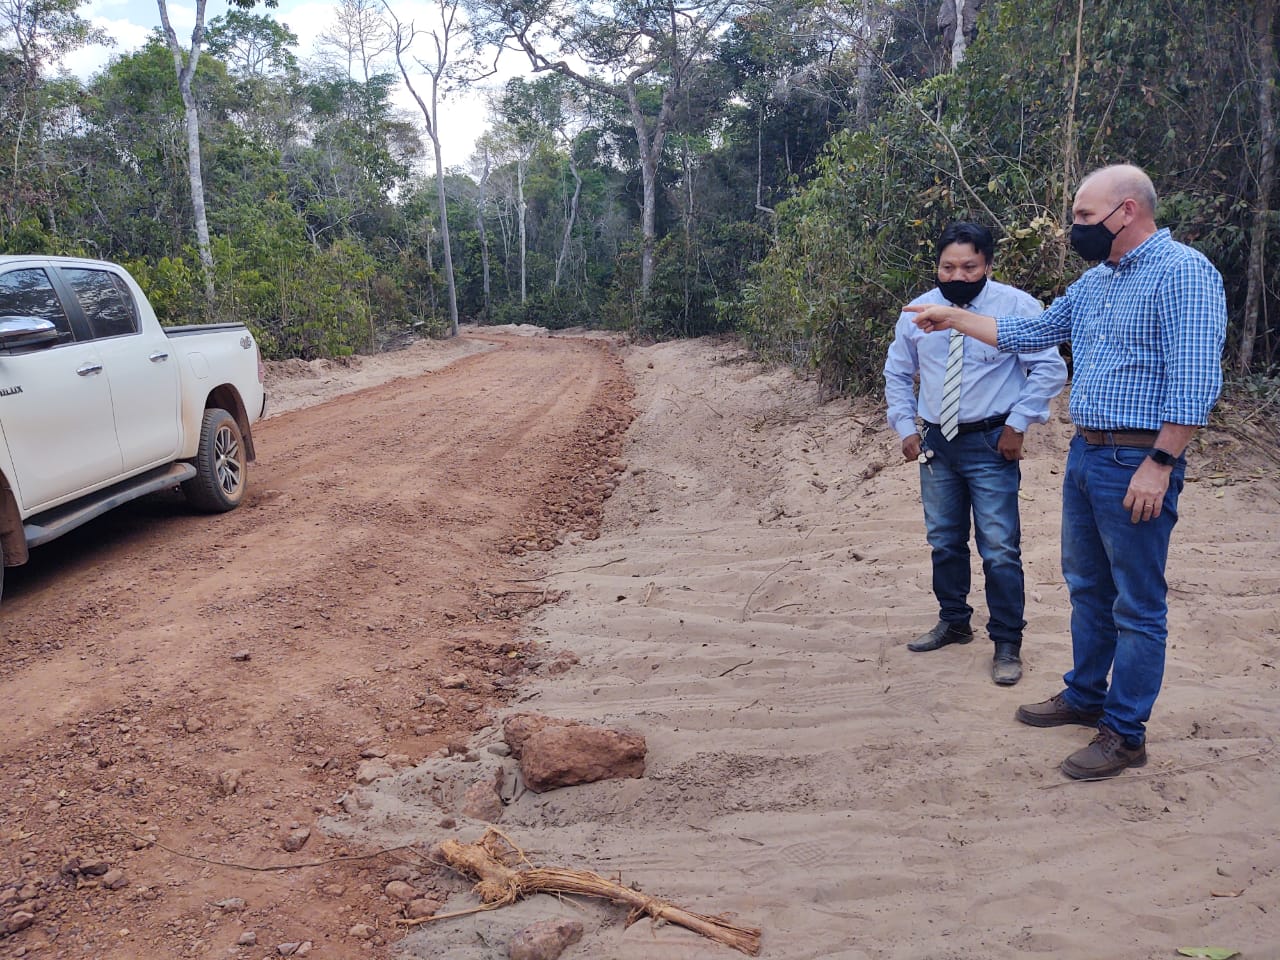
(776, 167)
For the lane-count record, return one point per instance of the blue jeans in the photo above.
(1114, 570)
(968, 475)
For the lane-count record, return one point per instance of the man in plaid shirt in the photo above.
(1146, 326)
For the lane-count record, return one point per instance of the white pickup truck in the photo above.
(99, 404)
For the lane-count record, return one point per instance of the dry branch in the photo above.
(499, 884)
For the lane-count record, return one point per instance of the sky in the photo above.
(130, 23)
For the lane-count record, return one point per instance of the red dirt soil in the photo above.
(181, 692)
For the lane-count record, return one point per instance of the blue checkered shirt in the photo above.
(1146, 338)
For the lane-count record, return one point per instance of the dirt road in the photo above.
(182, 692)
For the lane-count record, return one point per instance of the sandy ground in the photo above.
(745, 607)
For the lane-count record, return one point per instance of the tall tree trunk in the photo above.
(484, 235)
(650, 143)
(958, 41)
(1263, 29)
(569, 220)
(522, 208)
(1070, 156)
(444, 230)
(184, 65)
(431, 114)
(760, 204)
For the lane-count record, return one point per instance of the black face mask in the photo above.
(1093, 240)
(962, 292)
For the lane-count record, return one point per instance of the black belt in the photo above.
(977, 426)
(1118, 438)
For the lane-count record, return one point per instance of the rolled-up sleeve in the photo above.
(1032, 334)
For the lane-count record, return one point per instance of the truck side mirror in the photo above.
(19, 332)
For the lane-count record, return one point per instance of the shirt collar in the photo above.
(1145, 248)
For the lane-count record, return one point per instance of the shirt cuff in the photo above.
(906, 428)
(1003, 341)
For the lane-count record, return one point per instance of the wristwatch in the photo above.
(1162, 457)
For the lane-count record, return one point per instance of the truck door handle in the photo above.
(158, 357)
(88, 369)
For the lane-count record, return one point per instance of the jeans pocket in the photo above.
(992, 440)
(1130, 457)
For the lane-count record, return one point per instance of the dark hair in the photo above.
(974, 234)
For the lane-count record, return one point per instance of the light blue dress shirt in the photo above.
(993, 383)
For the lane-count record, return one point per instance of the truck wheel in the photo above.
(221, 471)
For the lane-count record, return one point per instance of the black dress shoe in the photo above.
(1006, 665)
(941, 635)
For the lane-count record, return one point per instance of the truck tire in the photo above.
(221, 470)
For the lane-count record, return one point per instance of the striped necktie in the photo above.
(949, 419)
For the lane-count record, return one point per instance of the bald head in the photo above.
(1121, 199)
(1122, 182)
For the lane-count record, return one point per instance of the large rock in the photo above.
(519, 727)
(560, 753)
(545, 940)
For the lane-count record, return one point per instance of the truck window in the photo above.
(107, 303)
(28, 293)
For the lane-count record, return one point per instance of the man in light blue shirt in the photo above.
(974, 403)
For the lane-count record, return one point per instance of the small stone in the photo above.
(361, 931)
(114, 879)
(434, 702)
(373, 753)
(242, 655)
(247, 939)
(402, 871)
(499, 749)
(94, 868)
(18, 920)
(228, 782)
(231, 904)
(481, 802)
(371, 770)
(399, 890)
(421, 908)
(333, 890)
(296, 839)
(545, 940)
(193, 724)
(454, 681)
(288, 949)
(304, 948)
